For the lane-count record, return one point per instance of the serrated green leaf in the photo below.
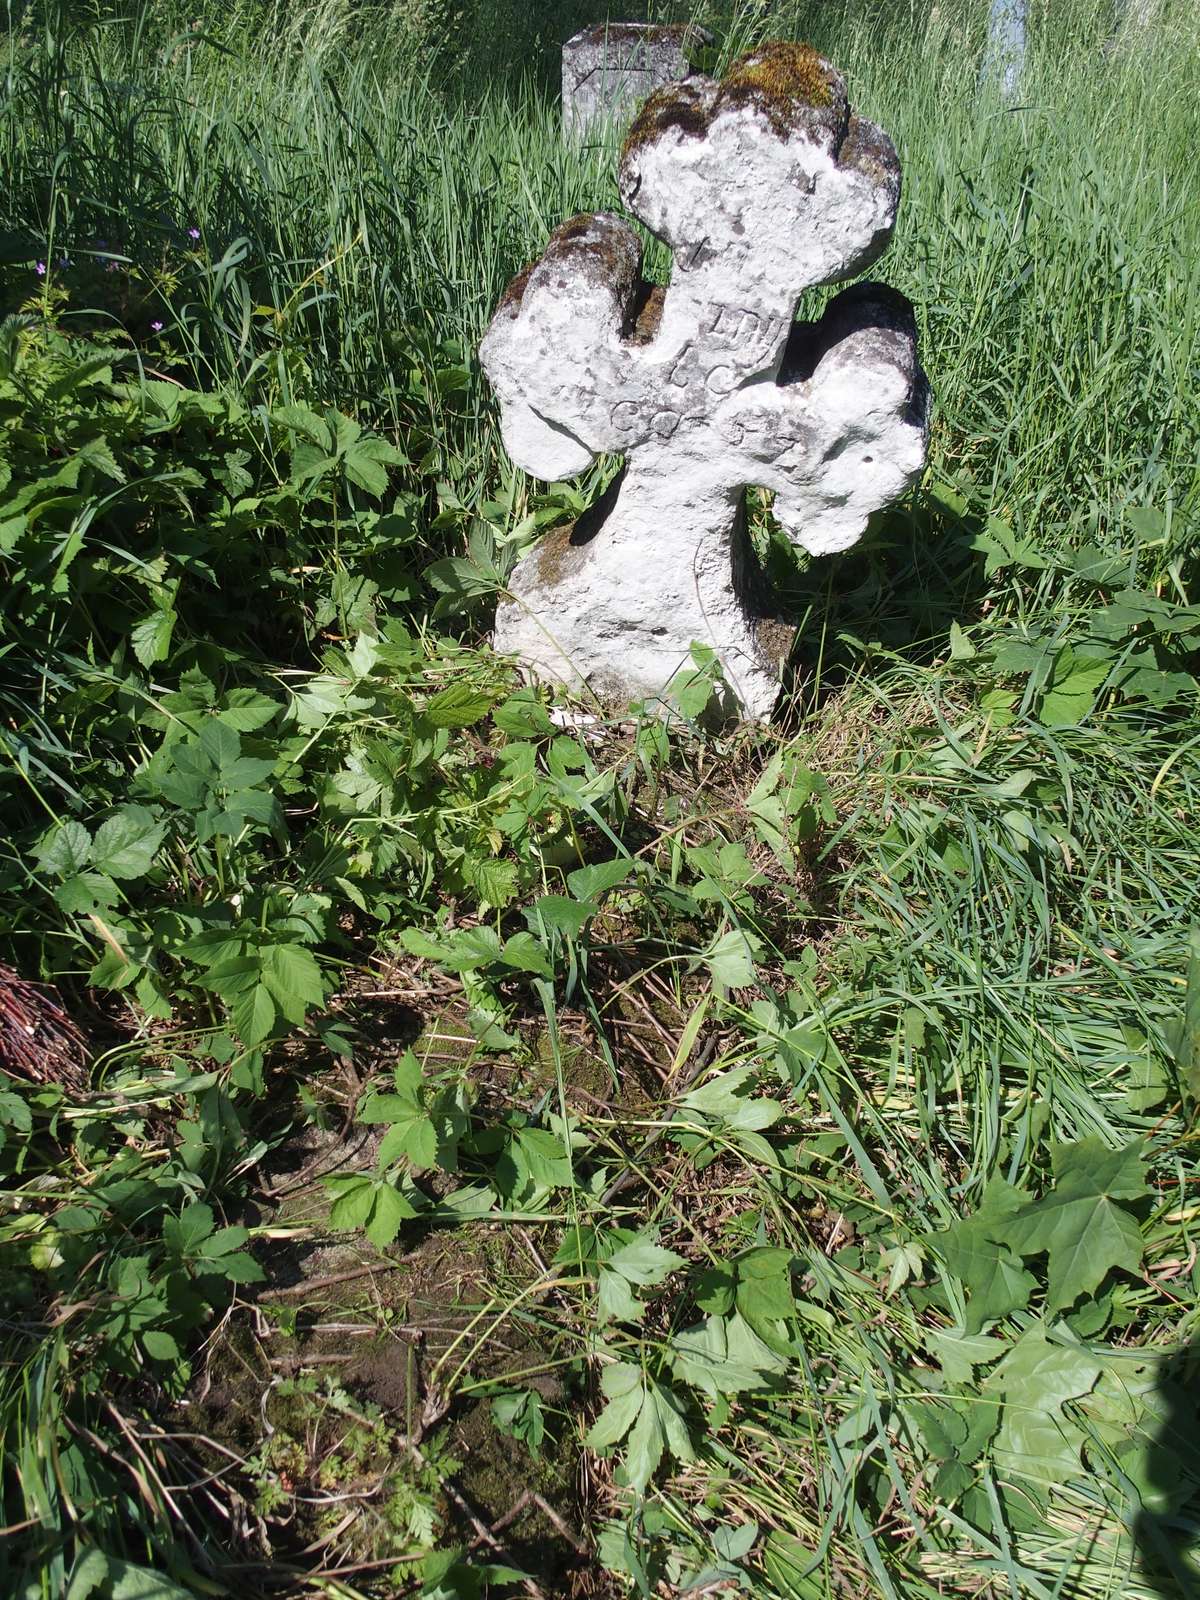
(615, 1421)
(353, 1199)
(187, 1231)
(65, 850)
(160, 1345)
(459, 705)
(493, 880)
(253, 1014)
(978, 1252)
(589, 883)
(556, 913)
(1037, 1440)
(1071, 692)
(724, 1355)
(544, 1158)
(151, 636)
(126, 844)
(615, 1299)
(389, 1211)
(293, 978)
(644, 1450)
(764, 1284)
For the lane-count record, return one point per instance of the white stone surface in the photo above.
(711, 387)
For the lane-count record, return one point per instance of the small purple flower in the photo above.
(64, 261)
(40, 269)
(156, 327)
(193, 233)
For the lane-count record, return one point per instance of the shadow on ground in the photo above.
(1166, 1530)
(897, 592)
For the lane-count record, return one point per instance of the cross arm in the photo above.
(854, 404)
(553, 351)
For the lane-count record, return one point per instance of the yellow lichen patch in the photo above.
(784, 73)
(790, 83)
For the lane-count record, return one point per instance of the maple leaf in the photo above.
(1080, 1224)
(987, 1266)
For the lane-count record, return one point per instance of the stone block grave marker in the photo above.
(763, 184)
(612, 67)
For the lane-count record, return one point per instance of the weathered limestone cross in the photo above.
(763, 184)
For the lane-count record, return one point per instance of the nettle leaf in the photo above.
(1082, 1224)
(493, 880)
(125, 846)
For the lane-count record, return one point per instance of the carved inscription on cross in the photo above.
(763, 184)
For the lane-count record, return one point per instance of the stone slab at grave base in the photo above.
(609, 69)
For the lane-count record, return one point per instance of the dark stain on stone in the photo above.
(644, 313)
(868, 149)
(510, 300)
(563, 552)
(595, 245)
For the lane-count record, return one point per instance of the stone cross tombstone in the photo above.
(613, 66)
(763, 184)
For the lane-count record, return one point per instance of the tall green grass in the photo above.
(1048, 247)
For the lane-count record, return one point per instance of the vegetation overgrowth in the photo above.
(450, 1148)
